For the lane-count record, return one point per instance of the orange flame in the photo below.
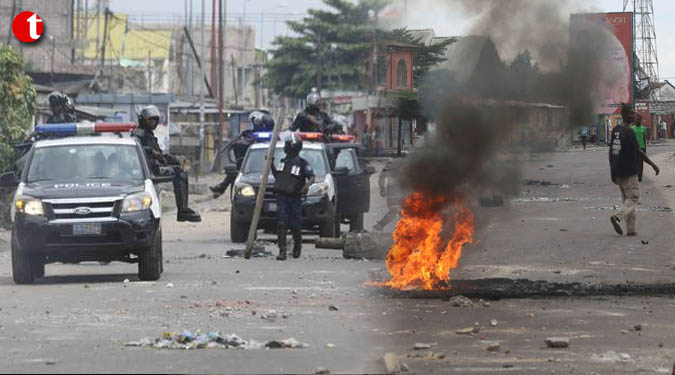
(418, 257)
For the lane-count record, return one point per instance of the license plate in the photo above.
(87, 229)
(271, 207)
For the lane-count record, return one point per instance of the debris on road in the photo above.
(259, 251)
(421, 346)
(493, 322)
(212, 340)
(468, 331)
(333, 308)
(321, 370)
(493, 347)
(392, 363)
(558, 342)
(370, 246)
(169, 285)
(270, 315)
(638, 327)
(330, 346)
(460, 301)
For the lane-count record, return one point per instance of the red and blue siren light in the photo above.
(84, 128)
(306, 136)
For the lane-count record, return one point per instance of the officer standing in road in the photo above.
(261, 122)
(62, 107)
(292, 181)
(314, 119)
(147, 123)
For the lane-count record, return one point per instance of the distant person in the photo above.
(584, 136)
(62, 107)
(624, 155)
(641, 134)
(314, 118)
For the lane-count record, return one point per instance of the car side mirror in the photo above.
(369, 170)
(231, 170)
(342, 171)
(9, 179)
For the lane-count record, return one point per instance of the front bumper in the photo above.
(131, 233)
(315, 211)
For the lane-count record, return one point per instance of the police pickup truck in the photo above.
(85, 198)
(340, 194)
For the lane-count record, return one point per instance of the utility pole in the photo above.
(149, 69)
(215, 81)
(202, 124)
(11, 19)
(191, 67)
(221, 63)
(199, 61)
(98, 26)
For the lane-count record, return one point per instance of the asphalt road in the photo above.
(78, 318)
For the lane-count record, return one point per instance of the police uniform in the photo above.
(290, 180)
(157, 159)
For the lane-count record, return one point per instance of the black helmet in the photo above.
(148, 113)
(313, 98)
(254, 118)
(293, 144)
(267, 122)
(58, 99)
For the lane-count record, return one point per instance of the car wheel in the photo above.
(238, 231)
(150, 260)
(38, 269)
(22, 269)
(327, 228)
(356, 223)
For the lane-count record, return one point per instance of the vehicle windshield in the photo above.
(85, 162)
(255, 161)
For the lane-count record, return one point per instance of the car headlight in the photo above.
(137, 202)
(30, 206)
(318, 189)
(244, 190)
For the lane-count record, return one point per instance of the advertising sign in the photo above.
(618, 52)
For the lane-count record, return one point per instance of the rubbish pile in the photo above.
(211, 340)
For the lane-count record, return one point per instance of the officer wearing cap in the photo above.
(62, 107)
(314, 119)
(261, 122)
(292, 180)
(147, 123)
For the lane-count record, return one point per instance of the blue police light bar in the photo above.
(81, 128)
(263, 136)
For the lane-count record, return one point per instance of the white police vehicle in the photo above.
(340, 193)
(85, 198)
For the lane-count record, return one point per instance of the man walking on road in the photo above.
(624, 157)
(641, 134)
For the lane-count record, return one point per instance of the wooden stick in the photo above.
(260, 199)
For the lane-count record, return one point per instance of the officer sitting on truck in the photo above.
(147, 123)
(261, 122)
(314, 119)
(292, 181)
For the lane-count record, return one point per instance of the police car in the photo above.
(340, 194)
(85, 198)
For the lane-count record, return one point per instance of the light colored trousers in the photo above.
(630, 195)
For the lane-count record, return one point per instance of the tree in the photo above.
(17, 100)
(405, 105)
(328, 50)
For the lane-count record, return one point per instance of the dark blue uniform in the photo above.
(293, 175)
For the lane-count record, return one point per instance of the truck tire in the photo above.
(150, 260)
(22, 269)
(327, 228)
(356, 223)
(38, 269)
(238, 231)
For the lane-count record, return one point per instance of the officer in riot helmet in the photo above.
(292, 180)
(62, 107)
(314, 118)
(260, 122)
(147, 123)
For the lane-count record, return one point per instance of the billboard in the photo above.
(618, 53)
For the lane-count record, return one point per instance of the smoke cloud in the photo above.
(475, 146)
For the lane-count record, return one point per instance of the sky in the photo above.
(269, 16)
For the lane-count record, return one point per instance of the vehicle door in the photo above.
(353, 187)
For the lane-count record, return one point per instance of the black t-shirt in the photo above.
(623, 152)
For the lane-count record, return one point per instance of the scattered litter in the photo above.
(563, 230)
(645, 242)
(558, 342)
(321, 370)
(531, 315)
(333, 308)
(667, 186)
(270, 315)
(212, 340)
(624, 331)
(493, 322)
(460, 301)
(564, 186)
(257, 252)
(624, 356)
(638, 327)
(86, 286)
(330, 346)
(169, 285)
(538, 182)
(468, 331)
(494, 347)
(484, 303)
(50, 363)
(392, 363)
(126, 281)
(422, 346)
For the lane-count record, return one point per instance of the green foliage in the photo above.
(404, 104)
(17, 100)
(327, 52)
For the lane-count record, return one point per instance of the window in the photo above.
(345, 159)
(402, 74)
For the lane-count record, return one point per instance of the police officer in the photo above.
(147, 123)
(292, 180)
(62, 107)
(261, 123)
(314, 119)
